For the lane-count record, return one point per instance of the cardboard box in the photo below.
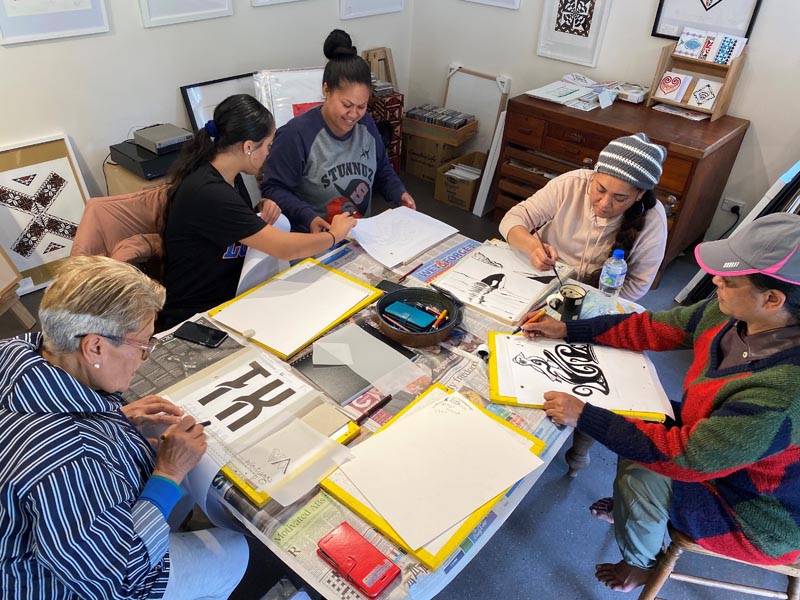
(437, 133)
(423, 157)
(454, 190)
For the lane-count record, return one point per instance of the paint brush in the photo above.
(547, 252)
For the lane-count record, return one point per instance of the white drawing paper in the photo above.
(614, 379)
(397, 236)
(457, 458)
(499, 280)
(289, 311)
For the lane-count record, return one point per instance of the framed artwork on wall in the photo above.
(573, 30)
(42, 195)
(734, 17)
(353, 9)
(202, 98)
(288, 93)
(32, 20)
(156, 13)
(269, 2)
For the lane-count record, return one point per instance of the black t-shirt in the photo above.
(204, 256)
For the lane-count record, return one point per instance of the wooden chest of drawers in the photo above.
(542, 140)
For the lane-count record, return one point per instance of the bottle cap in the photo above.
(619, 253)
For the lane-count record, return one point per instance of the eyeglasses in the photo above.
(147, 349)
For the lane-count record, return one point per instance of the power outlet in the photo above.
(729, 203)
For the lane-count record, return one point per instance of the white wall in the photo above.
(97, 88)
(502, 41)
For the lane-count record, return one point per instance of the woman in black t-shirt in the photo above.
(209, 218)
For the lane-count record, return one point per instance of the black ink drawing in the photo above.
(481, 257)
(575, 365)
(256, 401)
(575, 17)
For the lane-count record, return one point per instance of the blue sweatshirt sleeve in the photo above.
(386, 182)
(283, 172)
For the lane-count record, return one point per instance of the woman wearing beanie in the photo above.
(583, 216)
(331, 158)
(210, 220)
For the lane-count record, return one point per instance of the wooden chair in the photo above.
(681, 543)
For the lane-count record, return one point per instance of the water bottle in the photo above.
(611, 279)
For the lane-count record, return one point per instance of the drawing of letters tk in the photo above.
(256, 401)
(574, 365)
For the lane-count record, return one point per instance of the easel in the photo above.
(9, 301)
(381, 63)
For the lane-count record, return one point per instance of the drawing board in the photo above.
(500, 281)
(623, 381)
(295, 307)
(482, 95)
(397, 236)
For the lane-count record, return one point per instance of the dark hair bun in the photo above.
(338, 44)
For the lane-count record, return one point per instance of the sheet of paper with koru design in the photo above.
(619, 380)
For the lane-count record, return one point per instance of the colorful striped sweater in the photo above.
(734, 454)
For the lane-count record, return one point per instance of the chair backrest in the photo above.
(126, 227)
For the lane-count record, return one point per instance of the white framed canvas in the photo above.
(288, 93)
(42, 196)
(353, 9)
(573, 30)
(734, 17)
(202, 98)
(513, 4)
(32, 20)
(156, 13)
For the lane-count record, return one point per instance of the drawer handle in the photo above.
(574, 137)
(588, 162)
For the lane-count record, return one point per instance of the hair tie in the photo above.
(211, 129)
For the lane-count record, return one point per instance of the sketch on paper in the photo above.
(575, 17)
(498, 280)
(574, 365)
(397, 236)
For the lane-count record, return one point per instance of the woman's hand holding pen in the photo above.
(546, 326)
(180, 449)
(341, 225)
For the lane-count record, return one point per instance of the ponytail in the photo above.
(633, 221)
(237, 119)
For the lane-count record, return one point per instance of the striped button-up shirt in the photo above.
(72, 469)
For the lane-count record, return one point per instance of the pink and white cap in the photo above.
(769, 245)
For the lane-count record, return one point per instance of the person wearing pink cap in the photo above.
(727, 471)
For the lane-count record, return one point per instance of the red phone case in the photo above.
(357, 560)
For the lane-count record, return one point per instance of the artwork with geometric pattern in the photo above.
(709, 4)
(40, 208)
(575, 17)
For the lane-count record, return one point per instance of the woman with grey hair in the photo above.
(84, 496)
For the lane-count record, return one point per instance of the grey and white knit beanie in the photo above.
(633, 159)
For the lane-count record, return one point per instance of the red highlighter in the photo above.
(357, 560)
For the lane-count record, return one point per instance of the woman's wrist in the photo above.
(333, 238)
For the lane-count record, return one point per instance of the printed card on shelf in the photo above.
(705, 51)
(673, 86)
(691, 42)
(704, 93)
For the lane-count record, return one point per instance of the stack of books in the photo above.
(381, 87)
(437, 115)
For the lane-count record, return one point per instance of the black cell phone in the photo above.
(200, 334)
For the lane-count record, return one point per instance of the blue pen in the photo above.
(335, 256)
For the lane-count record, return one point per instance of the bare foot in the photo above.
(621, 577)
(603, 509)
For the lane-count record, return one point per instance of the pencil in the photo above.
(533, 319)
(405, 276)
(395, 324)
(373, 409)
(442, 316)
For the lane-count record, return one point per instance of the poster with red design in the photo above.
(42, 196)
(290, 92)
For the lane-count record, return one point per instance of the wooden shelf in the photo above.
(728, 73)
